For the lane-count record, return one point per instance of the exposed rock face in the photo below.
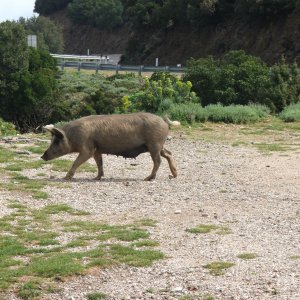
(266, 39)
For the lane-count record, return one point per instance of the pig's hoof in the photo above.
(149, 178)
(98, 178)
(68, 177)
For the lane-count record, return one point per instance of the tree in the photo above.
(28, 84)
(99, 13)
(49, 34)
(13, 59)
(46, 7)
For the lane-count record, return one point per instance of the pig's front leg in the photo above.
(81, 158)
(99, 161)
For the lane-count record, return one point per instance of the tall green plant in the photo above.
(158, 95)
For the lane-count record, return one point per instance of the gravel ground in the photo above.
(256, 195)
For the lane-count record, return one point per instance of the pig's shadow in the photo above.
(124, 180)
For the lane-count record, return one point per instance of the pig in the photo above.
(126, 135)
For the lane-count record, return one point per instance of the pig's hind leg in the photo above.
(168, 156)
(99, 161)
(155, 155)
(81, 158)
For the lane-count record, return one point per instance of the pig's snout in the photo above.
(45, 156)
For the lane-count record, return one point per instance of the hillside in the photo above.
(266, 39)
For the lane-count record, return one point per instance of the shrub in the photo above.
(237, 114)
(7, 128)
(243, 79)
(158, 95)
(291, 113)
(188, 112)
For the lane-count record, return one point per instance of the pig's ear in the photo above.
(55, 131)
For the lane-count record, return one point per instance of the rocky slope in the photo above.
(266, 39)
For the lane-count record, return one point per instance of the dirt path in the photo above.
(255, 196)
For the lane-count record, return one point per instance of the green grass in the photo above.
(63, 165)
(218, 268)
(6, 155)
(295, 257)
(96, 296)
(246, 256)
(32, 236)
(275, 147)
(30, 290)
(208, 228)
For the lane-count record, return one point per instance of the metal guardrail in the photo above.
(99, 63)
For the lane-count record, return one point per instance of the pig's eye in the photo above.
(56, 141)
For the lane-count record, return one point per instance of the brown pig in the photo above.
(127, 135)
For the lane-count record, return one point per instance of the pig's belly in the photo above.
(127, 153)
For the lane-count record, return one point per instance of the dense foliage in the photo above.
(49, 34)
(46, 7)
(143, 14)
(27, 80)
(242, 79)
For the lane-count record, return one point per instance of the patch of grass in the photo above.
(57, 208)
(247, 256)
(24, 184)
(21, 165)
(106, 232)
(77, 243)
(134, 257)
(146, 222)
(295, 257)
(32, 236)
(264, 147)
(96, 296)
(63, 165)
(38, 149)
(145, 243)
(29, 290)
(207, 228)
(61, 264)
(217, 268)
(6, 155)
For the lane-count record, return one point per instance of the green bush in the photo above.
(237, 114)
(83, 94)
(159, 95)
(188, 113)
(291, 113)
